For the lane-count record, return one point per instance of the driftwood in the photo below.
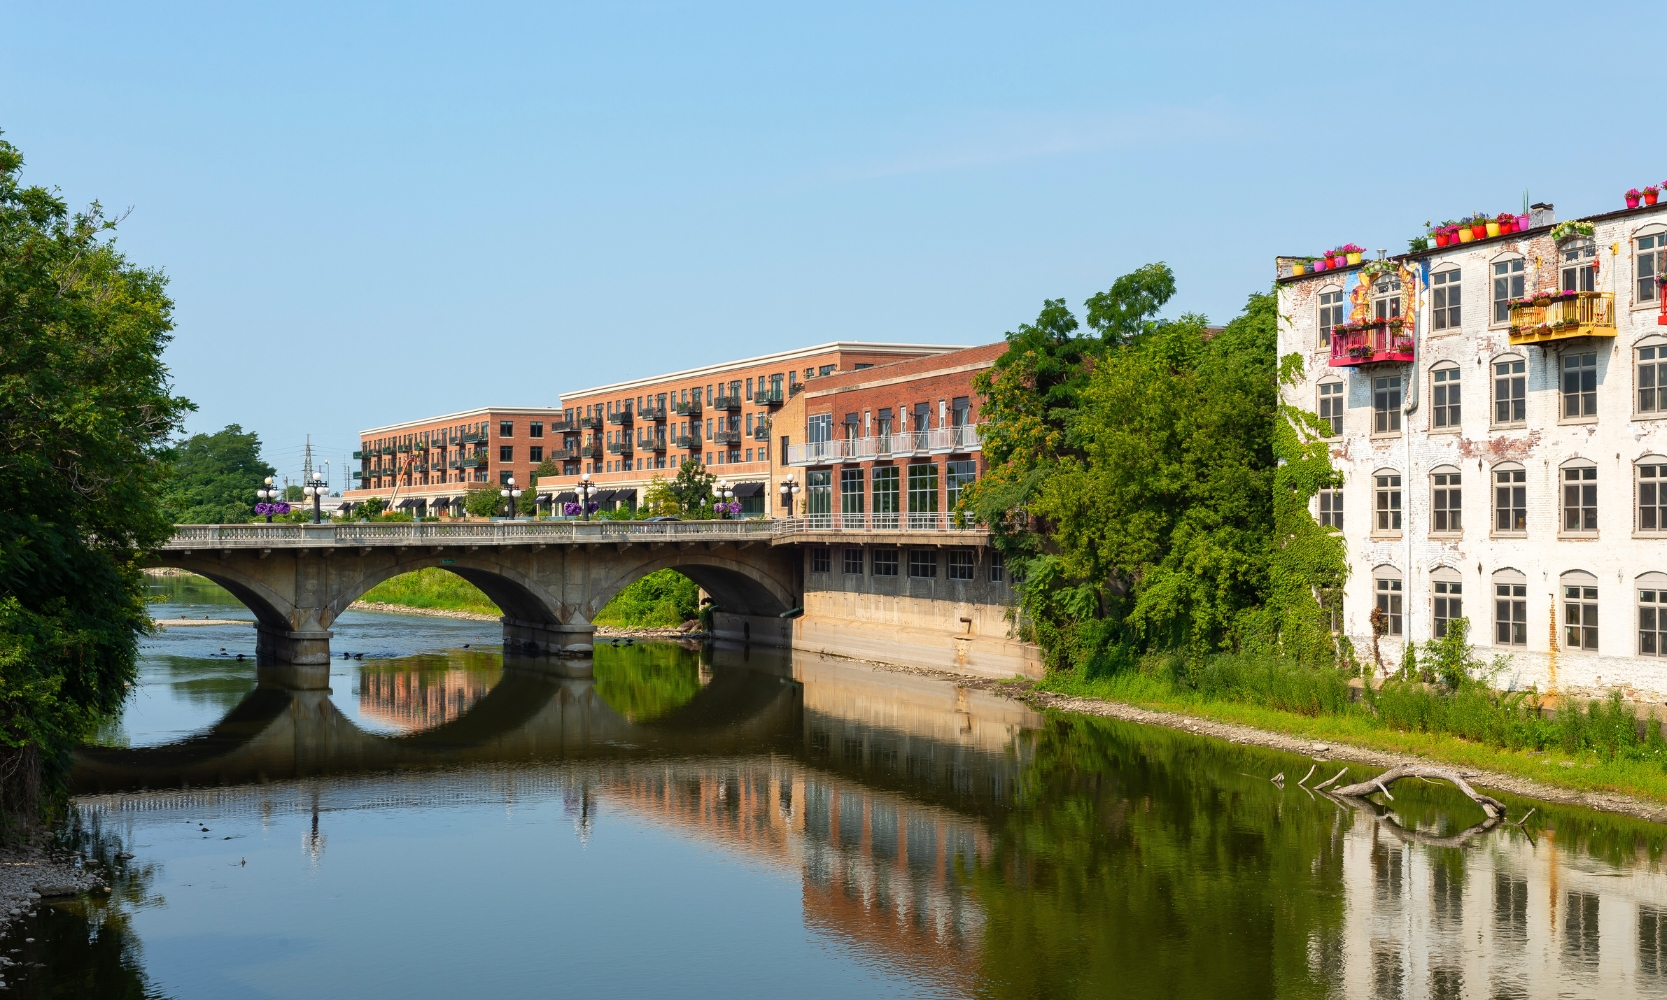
(1322, 786)
(1494, 808)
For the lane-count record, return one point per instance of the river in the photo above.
(747, 823)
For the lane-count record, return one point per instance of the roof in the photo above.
(480, 411)
(852, 346)
(967, 359)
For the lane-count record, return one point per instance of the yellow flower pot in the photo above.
(1465, 235)
(1297, 269)
(1493, 229)
(1354, 258)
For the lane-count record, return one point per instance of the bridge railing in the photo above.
(872, 523)
(500, 532)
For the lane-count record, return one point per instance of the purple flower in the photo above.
(570, 509)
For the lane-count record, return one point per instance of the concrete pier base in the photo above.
(549, 638)
(299, 648)
(563, 667)
(294, 677)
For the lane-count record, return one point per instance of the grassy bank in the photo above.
(432, 588)
(1595, 750)
(664, 599)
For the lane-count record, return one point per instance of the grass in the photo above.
(1597, 750)
(664, 599)
(432, 588)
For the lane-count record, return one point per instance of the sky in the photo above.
(375, 213)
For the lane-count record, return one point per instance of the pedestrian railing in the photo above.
(868, 523)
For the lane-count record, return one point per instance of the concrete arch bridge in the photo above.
(549, 577)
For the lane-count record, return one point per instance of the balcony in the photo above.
(1371, 342)
(769, 397)
(687, 442)
(723, 402)
(652, 414)
(472, 462)
(590, 423)
(689, 409)
(562, 454)
(624, 447)
(621, 418)
(726, 437)
(592, 450)
(566, 425)
(1562, 316)
(471, 439)
(941, 440)
(794, 388)
(651, 442)
(761, 432)
(358, 455)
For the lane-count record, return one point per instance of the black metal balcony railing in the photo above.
(652, 414)
(688, 442)
(621, 447)
(621, 418)
(566, 425)
(591, 450)
(474, 439)
(562, 454)
(590, 423)
(794, 388)
(652, 442)
(689, 409)
(769, 397)
(761, 432)
(473, 462)
(723, 402)
(726, 437)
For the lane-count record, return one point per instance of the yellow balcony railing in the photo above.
(1585, 314)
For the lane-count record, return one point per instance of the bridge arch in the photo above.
(271, 608)
(735, 584)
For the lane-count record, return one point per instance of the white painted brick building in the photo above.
(1509, 469)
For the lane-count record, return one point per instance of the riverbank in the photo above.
(29, 875)
(1323, 740)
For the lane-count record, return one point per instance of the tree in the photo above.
(215, 477)
(369, 510)
(692, 488)
(482, 500)
(658, 500)
(86, 417)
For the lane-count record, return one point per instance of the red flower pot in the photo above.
(1480, 231)
(1649, 198)
(1508, 226)
(1440, 239)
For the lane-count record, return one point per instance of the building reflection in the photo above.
(420, 699)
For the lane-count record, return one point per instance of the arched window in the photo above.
(1332, 312)
(1651, 589)
(1386, 502)
(1651, 491)
(1446, 509)
(1578, 258)
(1386, 587)
(1447, 586)
(1510, 499)
(1331, 405)
(1444, 396)
(1510, 608)
(1386, 297)
(1509, 283)
(1579, 477)
(1444, 299)
(1649, 263)
(1649, 374)
(1510, 391)
(1580, 610)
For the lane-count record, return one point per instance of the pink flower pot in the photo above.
(1631, 202)
(1522, 223)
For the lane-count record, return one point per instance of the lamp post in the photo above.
(789, 490)
(266, 495)
(584, 489)
(511, 494)
(317, 489)
(724, 491)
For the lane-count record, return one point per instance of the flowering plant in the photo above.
(1563, 230)
(1633, 193)
(1651, 189)
(732, 507)
(1504, 217)
(264, 509)
(1351, 248)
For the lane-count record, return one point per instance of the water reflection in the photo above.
(729, 821)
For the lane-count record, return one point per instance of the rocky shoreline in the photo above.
(30, 876)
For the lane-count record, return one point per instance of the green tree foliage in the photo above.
(1136, 484)
(369, 510)
(692, 488)
(647, 681)
(662, 599)
(85, 420)
(215, 477)
(483, 500)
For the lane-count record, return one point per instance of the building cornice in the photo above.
(843, 346)
(535, 411)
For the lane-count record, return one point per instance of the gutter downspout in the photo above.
(1422, 279)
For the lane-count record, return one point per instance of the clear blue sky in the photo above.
(374, 213)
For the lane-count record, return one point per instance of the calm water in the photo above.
(443, 823)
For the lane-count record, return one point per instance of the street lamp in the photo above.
(318, 491)
(266, 495)
(724, 491)
(511, 494)
(584, 489)
(789, 490)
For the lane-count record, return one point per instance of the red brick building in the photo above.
(426, 466)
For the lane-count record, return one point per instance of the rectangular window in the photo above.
(923, 495)
(819, 496)
(850, 496)
(1388, 503)
(1331, 314)
(853, 562)
(960, 564)
(1445, 508)
(1508, 285)
(1510, 614)
(1580, 273)
(1652, 264)
(885, 562)
(1652, 379)
(506, 428)
(1331, 406)
(957, 477)
(1444, 299)
(535, 429)
(998, 567)
(1386, 298)
(1445, 393)
(1510, 500)
(1652, 498)
(1510, 392)
(1580, 499)
(535, 454)
(1448, 605)
(1580, 385)
(1580, 617)
(749, 389)
(1386, 404)
(1652, 622)
(820, 559)
(506, 453)
(1331, 508)
(1389, 602)
(923, 563)
(887, 499)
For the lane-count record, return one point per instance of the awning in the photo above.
(542, 498)
(624, 496)
(602, 496)
(440, 502)
(568, 497)
(346, 505)
(407, 503)
(749, 489)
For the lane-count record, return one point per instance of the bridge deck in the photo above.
(908, 529)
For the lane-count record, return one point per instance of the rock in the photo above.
(689, 626)
(1320, 748)
(49, 891)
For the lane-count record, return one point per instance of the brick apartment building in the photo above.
(427, 466)
(626, 434)
(893, 443)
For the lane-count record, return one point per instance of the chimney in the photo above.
(1541, 214)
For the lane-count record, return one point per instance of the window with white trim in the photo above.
(1580, 611)
(1447, 604)
(1580, 499)
(1446, 509)
(1331, 314)
(1509, 284)
(1652, 495)
(1386, 297)
(1650, 375)
(1649, 265)
(1580, 385)
(1510, 499)
(1510, 392)
(1331, 406)
(1651, 589)
(1444, 300)
(1510, 608)
(1387, 581)
(1579, 261)
(1386, 404)
(1331, 508)
(1444, 394)
(1386, 503)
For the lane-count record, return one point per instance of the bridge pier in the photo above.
(549, 638)
(299, 648)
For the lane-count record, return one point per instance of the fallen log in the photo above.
(1490, 805)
